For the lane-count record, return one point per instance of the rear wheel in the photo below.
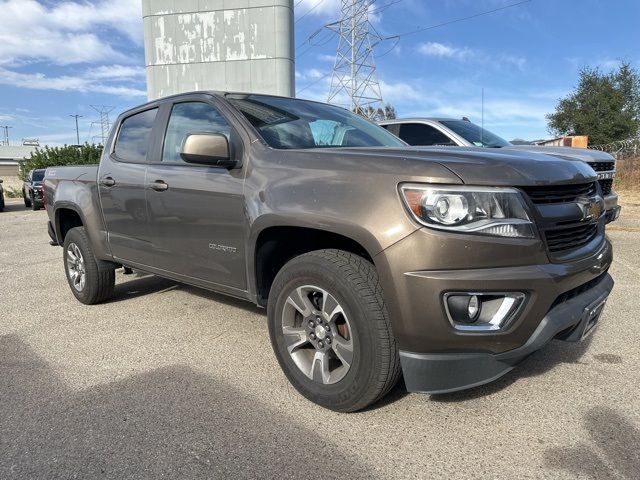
(91, 280)
(330, 330)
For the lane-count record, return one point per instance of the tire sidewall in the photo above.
(314, 271)
(78, 236)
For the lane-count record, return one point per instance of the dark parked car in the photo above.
(1, 197)
(32, 190)
(463, 133)
(371, 257)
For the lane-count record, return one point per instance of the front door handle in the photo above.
(159, 186)
(107, 182)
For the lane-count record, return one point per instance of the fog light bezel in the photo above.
(500, 324)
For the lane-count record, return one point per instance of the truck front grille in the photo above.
(569, 238)
(564, 227)
(606, 186)
(603, 166)
(560, 193)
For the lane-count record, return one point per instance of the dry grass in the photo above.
(628, 175)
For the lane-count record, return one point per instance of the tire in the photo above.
(34, 206)
(99, 276)
(27, 200)
(350, 381)
(1, 204)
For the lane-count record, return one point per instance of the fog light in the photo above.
(473, 308)
(469, 311)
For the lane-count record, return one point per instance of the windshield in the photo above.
(475, 134)
(287, 123)
(38, 175)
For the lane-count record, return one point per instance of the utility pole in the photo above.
(77, 131)
(6, 133)
(354, 72)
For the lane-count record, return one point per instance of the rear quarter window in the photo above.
(134, 137)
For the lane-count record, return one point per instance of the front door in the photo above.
(121, 183)
(198, 220)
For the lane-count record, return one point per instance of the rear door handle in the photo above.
(107, 182)
(159, 186)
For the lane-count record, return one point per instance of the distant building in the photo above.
(11, 156)
(575, 141)
(212, 45)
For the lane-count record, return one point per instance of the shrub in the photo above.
(86, 154)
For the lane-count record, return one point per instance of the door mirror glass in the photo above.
(207, 149)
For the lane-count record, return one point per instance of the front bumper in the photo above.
(612, 208)
(450, 372)
(435, 356)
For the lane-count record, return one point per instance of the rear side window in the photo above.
(421, 134)
(134, 137)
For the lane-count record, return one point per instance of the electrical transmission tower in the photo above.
(354, 80)
(103, 111)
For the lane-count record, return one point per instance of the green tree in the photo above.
(604, 106)
(86, 154)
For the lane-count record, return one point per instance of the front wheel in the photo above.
(27, 200)
(330, 330)
(91, 280)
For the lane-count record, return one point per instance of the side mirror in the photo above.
(207, 149)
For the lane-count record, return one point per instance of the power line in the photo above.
(309, 11)
(430, 27)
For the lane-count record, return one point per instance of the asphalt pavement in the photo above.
(171, 381)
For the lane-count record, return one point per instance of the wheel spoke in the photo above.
(71, 257)
(320, 369)
(343, 350)
(330, 306)
(300, 301)
(294, 337)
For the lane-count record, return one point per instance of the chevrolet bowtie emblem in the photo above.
(591, 208)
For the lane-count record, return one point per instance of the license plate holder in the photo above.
(591, 317)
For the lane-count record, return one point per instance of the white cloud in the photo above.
(317, 7)
(435, 49)
(84, 83)
(116, 72)
(67, 32)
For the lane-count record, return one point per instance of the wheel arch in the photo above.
(273, 246)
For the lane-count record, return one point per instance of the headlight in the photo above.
(498, 212)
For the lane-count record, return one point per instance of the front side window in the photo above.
(134, 137)
(287, 123)
(187, 118)
(421, 134)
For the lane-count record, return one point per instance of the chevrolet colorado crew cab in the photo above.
(464, 133)
(371, 257)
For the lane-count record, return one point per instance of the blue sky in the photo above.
(60, 57)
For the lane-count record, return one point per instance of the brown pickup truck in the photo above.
(371, 257)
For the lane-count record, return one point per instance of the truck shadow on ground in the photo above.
(612, 453)
(172, 422)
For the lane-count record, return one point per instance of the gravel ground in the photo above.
(173, 381)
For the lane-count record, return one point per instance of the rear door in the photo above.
(122, 182)
(198, 222)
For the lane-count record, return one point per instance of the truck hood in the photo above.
(567, 153)
(477, 165)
